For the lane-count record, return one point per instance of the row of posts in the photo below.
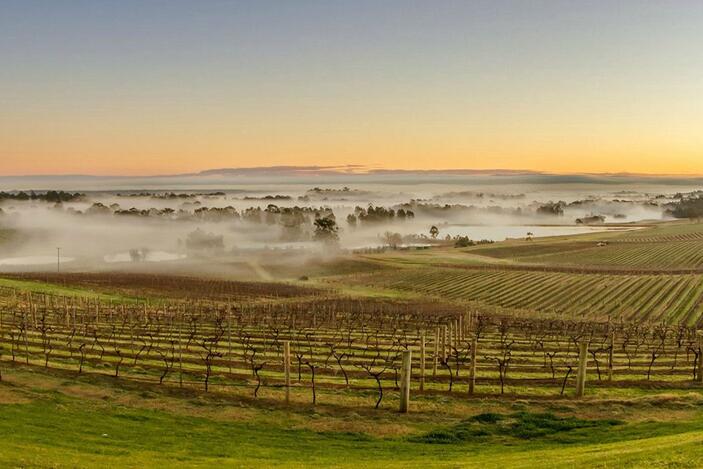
(406, 372)
(406, 368)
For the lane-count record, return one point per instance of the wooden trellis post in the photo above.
(472, 369)
(610, 356)
(405, 373)
(422, 361)
(443, 337)
(435, 356)
(65, 312)
(229, 339)
(581, 373)
(450, 339)
(180, 348)
(286, 368)
(699, 375)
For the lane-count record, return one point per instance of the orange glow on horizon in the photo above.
(139, 158)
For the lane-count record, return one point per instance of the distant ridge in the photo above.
(221, 178)
(345, 170)
(355, 169)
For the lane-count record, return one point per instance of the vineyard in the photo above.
(661, 255)
(661, 247)
(340, 343)
(169, 286)
(675, 231)
(667, 298)
(351, 235)
(482, 358)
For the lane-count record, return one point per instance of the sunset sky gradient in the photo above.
(162, 87)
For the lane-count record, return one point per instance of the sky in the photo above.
(162, 87)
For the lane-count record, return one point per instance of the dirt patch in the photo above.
(193, 408)
(86, 391)
(362, 425)
(8, 396)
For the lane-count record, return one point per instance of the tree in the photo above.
(200, 242)
(687, 208)
(326, 229)
(434, 232)
(552, 208)
(463, 242)
(392, 239)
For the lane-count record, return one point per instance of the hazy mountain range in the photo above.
(347, 174)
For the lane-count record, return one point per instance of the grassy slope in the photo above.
(48, 422)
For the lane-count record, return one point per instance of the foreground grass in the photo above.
(48, 421)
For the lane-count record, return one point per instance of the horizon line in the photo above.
(348, 170)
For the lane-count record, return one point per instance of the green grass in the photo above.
(520, 425)
(55, 430)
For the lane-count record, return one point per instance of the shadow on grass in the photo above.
(519, 425)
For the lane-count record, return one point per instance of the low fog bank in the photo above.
(270, 178)
(249, 227)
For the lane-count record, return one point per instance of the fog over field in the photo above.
(251, 216)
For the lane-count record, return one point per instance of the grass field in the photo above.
(61, 421)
